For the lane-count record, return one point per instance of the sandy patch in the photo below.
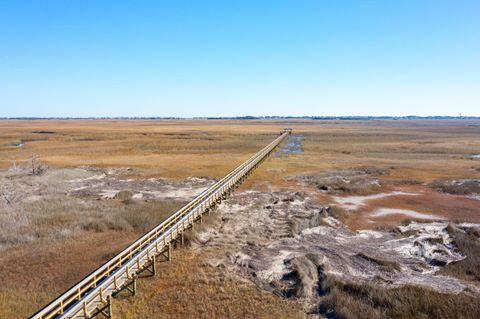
(475, 197)
(356, 202)
(406, 212)
(286, 243)
(425, 244)
(108, 185)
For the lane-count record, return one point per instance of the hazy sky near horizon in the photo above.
(232, 58)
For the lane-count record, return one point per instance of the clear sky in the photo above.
(230, 58)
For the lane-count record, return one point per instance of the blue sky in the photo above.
(230, 58)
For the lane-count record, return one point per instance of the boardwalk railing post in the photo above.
(154, 266)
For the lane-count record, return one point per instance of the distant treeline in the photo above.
(350, 118)
(336, 118)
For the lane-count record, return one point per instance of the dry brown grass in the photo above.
(468, 242)
(60, 217)
(354, 301)
(34, 274)
(188, 287)
(160, 148)
(419, 151)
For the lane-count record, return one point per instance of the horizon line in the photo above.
(250, 117)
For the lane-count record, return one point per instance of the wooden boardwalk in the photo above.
(93, 295)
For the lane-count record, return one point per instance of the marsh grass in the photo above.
(147, 214)
(468, 243)
(357, 301)
(34, 274)
(188, 287)
(465, 187)
(420, 151)
(59, 217)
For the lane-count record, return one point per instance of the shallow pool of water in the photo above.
(293, 145)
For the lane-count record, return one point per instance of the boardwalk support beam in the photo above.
(105, 309)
